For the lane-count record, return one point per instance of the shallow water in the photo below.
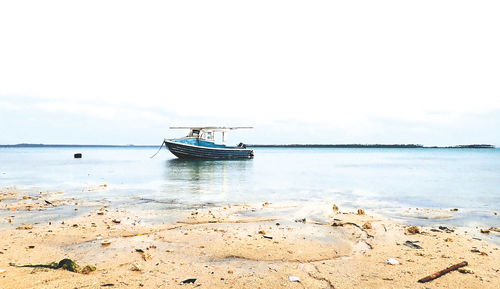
(387, 181)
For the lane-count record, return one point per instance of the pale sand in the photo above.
(222, 248)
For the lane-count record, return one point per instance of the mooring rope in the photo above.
(158, 150)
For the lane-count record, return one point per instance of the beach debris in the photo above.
(230, 271)
(66, 264)
(412, 244)
(265, 204)
(454, 209)
(25, 227)
(361, 212)
(337, 224)
(484, 231)
(413, 230)
(367, 225)
(442, 272)
(303, 220)
(116, 221)
(483, 254)
(335, 208)
(31, 247)
(448, 240)
(136, 267)
(475, 250)
(392, 261)
(2, 271)
(100, 213)
(465, 271)
(187, 281)
(267, 236)
(87, 269)
(48, 203)
(108, 285)
(77, 156)
(262, 232)
(293, 279)
(26, 197)
(495, 229)
(446, 229)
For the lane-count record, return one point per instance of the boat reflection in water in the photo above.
(197, 180)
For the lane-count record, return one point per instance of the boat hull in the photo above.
(187, 151)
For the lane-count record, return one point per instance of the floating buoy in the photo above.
(78, 156)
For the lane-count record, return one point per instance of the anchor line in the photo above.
(158, 150)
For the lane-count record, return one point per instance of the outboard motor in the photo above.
(242, 145)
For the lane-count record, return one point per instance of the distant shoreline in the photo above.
(469, 146)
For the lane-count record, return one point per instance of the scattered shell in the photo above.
(262, 232)
(293, 279)
(367, 225)
(391, 261)
(100, 213)
(230, 271)
(465, 270)
(106, 242)
(485, 231)
(25, 227)
(448, 240)
(116, 221)
(361, 212)
(136, 267)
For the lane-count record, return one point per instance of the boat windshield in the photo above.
(194, 133)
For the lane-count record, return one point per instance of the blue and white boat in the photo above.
(200, 144)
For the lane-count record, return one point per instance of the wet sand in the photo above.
(237, 246)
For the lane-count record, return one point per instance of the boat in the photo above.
(200, 144)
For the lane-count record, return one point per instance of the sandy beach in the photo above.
(235, 246)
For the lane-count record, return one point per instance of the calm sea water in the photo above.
(388, 181)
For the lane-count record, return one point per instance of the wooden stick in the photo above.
(442, 272)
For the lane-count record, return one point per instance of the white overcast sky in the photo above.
(122, 72)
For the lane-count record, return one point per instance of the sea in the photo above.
(422, 186)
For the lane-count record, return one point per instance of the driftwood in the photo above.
(442, 272)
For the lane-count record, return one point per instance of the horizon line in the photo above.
(353, 145)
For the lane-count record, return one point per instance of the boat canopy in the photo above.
(207, 132)
(210, 128)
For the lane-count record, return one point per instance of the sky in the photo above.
(123, 72)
